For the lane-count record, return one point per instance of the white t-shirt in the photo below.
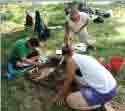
(94, 74)
(75, 27)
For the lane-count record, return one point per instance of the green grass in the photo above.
(22, 95)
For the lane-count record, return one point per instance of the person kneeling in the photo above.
(22, 56)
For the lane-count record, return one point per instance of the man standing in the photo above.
(76, 24)
(19, 55)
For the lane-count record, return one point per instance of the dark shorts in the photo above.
(95, 98)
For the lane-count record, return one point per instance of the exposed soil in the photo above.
(37, 95)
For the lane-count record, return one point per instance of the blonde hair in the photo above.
(73, 11)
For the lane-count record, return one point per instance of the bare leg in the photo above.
(77, 101)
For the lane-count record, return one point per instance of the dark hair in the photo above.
(67, 50)
(33, 54)
(34, 42)
(73, 11)
(29, 20)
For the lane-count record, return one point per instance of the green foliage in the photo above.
(8, 15)
(120, 94)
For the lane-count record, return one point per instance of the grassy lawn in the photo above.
(22, 95)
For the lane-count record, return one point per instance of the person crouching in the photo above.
(19, 56)
(97, 85)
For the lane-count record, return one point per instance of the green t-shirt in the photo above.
(19, 51)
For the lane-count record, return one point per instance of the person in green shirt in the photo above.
(19, 55)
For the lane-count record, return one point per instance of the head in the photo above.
(67, 51)
(74, 14)
(33, 43)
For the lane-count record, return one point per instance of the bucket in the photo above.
(116, 63)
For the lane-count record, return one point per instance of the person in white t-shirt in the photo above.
(76, 24)
(98, 86)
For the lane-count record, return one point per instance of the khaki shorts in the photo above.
(84, 37)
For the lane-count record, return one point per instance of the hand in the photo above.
(66, 40)
(36, 64)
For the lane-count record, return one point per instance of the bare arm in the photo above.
(70, 73)
(87, 21)
(83, 26)
(67, 31)
(30, 61)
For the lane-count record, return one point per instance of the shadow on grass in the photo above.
(104, 34)
(105, 30)
(108, 38)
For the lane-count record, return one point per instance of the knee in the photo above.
(70, 101)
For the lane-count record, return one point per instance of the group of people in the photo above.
(95, 84)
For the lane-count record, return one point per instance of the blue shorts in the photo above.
(95, 98)
(11, 68)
